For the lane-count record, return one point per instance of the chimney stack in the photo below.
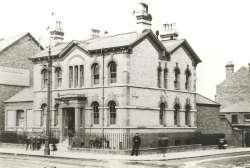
(95, 33)
(169, 32)
(143, 17)
(229, 70)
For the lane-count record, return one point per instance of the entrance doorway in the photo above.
(69, 114)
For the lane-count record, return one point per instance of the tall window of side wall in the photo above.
(187, 115)
(95, 73)
(176, 114)
(19, 118)
(188, 76)
(112, 112)
(96, 114)
(162, 113)
(177, 77)
(112, 67)
(159, 71)
(165, 78)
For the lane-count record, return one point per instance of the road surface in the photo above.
(240, 160)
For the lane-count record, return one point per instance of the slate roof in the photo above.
(120, 40)
(204, 100)
(241, 106)
(25, 95)
(9, 41)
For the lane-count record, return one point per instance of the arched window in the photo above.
(177, 77)
(58, 77)
(159, 71)
(112, 112)
(176, 114)
(188, 76)
(44, 77)
(112, 67)
(187, 114)
(56, 114)
(43, 112)
(95, 73)
(162, 113)
(96, 114)
(165, 78)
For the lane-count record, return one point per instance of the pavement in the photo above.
(148, 157)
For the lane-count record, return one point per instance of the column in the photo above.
(182, 118)
(77, 121)
(192, 118)
(60, 123)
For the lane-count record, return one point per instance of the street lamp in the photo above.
(47, 127)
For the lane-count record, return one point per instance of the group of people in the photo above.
(33, 143)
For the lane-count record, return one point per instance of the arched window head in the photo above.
(44, 78)
(188, 78)
(95, 73)
(177, 77)
(159, 76)
(58, 77)
(162, 113)
(96, 114)
(112, 72)
(112, 112)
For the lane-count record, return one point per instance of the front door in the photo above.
(69, 114)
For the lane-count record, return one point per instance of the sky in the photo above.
(218, 30)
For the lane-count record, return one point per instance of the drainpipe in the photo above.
(103, 98)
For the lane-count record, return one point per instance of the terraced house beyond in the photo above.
(113, 86)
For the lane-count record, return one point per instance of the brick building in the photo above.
(234, 96)
(114, 85)
(15, 68)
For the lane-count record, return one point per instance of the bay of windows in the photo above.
(76, 76)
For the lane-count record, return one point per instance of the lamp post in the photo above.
(47, 128)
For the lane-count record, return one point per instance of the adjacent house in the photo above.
(15, 68)
(234, 96)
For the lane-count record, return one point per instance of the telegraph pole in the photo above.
(49, 70)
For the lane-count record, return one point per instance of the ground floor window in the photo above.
(96, 114)
(112, 112)
(19, 118)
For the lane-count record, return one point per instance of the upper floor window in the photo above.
(81, 75)
(95, 73)
(234, 119)
(112, 112)
(247, 117)
(112, 67)
(45, 79)
(188, 76)
(159, 71)
(177, 77)
(162, 113)
(165, 78)
(96, 115)
(71, 76)
(76, 76)
(58, 77)
(20, 118)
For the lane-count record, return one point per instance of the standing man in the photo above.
(136, 145)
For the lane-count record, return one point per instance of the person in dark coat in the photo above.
(136, 145)
(27, 143)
